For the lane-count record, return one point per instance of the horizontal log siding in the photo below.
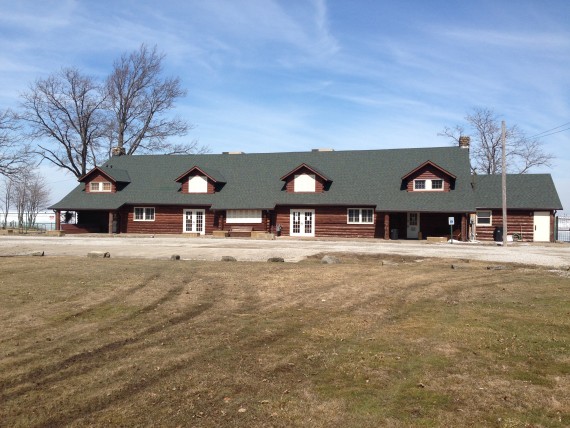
(290, 181)
(329, 222)
(211, 186)
(167, 220)
(429, 173)
(517, 222)
(97, 177)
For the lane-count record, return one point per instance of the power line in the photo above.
(552, 129)
(552, 133)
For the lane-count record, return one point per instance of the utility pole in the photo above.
(504, 182)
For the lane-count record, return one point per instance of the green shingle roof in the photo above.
(359, 178)
(524, 191)
(118, 175)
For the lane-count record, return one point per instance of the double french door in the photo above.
(194, 221)
(302, 222)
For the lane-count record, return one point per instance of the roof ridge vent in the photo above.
(323, 149)
(233, 153)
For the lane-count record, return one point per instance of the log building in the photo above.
(387, 194)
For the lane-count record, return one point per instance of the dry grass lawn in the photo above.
(119, 342)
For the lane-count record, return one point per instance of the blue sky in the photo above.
(268, 75)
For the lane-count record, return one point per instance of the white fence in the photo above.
(45, 220)
(563, 228)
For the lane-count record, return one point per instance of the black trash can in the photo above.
(498, 234)
(393, 234)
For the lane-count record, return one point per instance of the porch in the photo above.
(87, 221)
(421, 225)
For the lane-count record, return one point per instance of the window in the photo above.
(100, 186)
(197, 184)
(305, 183)
(436, 184)
(412, 219)
(243, 216)
(360, 215)
(144, 214)
(484, 218)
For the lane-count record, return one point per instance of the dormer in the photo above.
(201, 180)
(428, 177)
(305, 179)
(105, 179)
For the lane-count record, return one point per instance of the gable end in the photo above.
(428, 177)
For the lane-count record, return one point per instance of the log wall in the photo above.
(167, 220)
(521, 222)
(330, 222)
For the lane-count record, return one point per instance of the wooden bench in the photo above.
(243, 231)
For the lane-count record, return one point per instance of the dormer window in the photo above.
(105, 179)
(428, 177)
(419, 184)
(305, 183)
(197, 184)
(424, 184)
(306, 179)
(100, 186)
(201, 180)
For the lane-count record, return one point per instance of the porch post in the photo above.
(386, 226)
(57, 219)
(464, 227)
(111, 222)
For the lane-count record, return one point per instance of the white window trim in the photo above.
(302, 225)
(428, 185)
(193, 221)
(490, 218)
(442, 184)
(100, 187)
(244, 216)
(197, 184)
(359, 216)
(305, 183)
(144, 214)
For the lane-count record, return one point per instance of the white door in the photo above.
(302, 222)
(413, 226)
(541, 226)
(194, 221)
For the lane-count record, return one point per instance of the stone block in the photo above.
(98, 255)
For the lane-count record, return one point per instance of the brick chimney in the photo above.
(464, 142)
(118, 151)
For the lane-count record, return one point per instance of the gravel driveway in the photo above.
(206, 248)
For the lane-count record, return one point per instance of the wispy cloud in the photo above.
(541, 40)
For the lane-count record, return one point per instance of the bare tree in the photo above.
(65, 112)
(484, 128)
(19, 197)
(29, 194)
(139, 98)
(13, 154)
(6, 199)
(38, 195)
